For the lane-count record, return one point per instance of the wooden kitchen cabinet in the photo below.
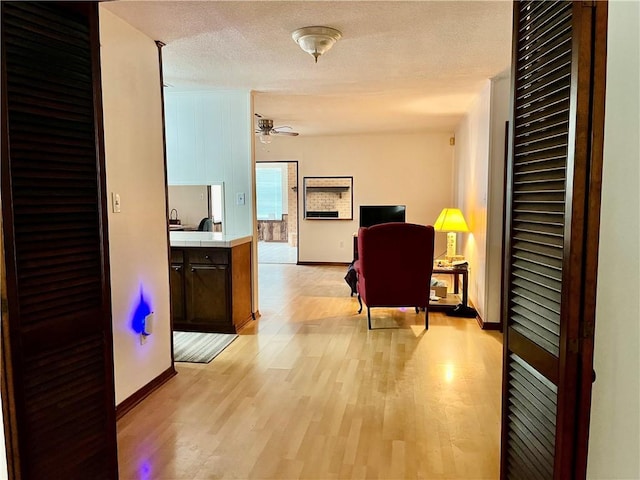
(211, 288)
(176, 282)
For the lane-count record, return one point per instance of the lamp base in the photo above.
(451, 246)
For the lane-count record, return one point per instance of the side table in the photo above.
(456, 272)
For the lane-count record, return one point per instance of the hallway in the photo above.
(307, 392)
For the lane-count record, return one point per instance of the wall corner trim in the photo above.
(488, 325)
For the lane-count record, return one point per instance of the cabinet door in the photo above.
(208, 290)
(176, 280)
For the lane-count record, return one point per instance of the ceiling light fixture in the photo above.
(316, 40)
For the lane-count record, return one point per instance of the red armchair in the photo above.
(394, 266)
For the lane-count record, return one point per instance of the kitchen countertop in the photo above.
(206, 239)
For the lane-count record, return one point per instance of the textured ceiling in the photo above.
(400, 66)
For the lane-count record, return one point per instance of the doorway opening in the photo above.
(277, 211)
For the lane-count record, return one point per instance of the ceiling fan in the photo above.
(266, 129)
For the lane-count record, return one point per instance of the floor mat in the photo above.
(198, 347)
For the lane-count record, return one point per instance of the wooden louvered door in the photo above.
(58, 366)
(553, 175)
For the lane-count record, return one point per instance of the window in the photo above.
(269, 192)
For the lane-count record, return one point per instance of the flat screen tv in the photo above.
(375, 214)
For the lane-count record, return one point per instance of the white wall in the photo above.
(191, 203)
(135, 169)
(410, 169)
(614, 441)
(471, 189)
(478, 192)
(209, 137)
(500, 112)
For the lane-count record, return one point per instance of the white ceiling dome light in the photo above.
(316, 40)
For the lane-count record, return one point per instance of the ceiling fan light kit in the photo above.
(265, 138)
(266, 130)
(316, 40)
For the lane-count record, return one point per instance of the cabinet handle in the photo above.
(205, 267)
(207, 257)
(177, 268)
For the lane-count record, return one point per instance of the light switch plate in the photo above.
(115, 202)
(240, 199)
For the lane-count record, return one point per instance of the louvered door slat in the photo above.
(543, 260)
(539, 240)
(73, 57)
(516, 459)
(538, 26)
(530, 422)
(64, 130)
(534, 8)
(543, 459)
(539, 218)
(542, 291)
(531, 416)
(538, 409)
(541, 166)
(39, 25)
(546, 104)
(546, 70)
(38, 20)
(531, 331)
(543, 322)
(540, 249)
(550, 44)
(545, 282)
(545, 84)
(59, 299)
(539, 229)
(541, 271)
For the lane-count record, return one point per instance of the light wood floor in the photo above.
(309, 392)
(277, 252)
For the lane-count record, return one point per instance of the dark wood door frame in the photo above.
(594, 153)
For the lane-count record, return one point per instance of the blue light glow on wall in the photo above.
(140, 313)
(144, 471)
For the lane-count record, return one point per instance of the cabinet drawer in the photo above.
(209, 256)
(177, 256)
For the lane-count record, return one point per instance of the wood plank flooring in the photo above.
(308, 392)
(277, 252)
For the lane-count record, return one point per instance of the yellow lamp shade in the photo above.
(450, 220)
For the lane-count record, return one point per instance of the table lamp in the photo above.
(451, 221)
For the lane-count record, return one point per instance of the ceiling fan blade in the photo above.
(283, 126)
(290, 134)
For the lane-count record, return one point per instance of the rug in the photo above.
(197, 347)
